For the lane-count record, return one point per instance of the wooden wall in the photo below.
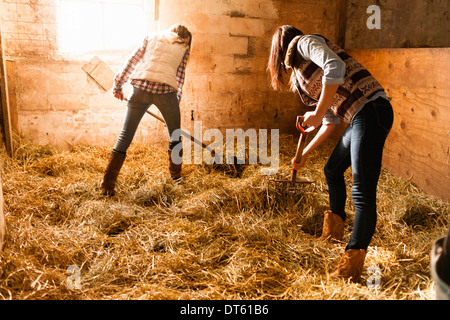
(403, 24)
(418, 81)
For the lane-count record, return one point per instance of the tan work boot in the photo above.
(333, 227)
(175, 169)
(115, 163)
(351, 265)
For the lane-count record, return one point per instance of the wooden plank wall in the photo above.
(418, 80)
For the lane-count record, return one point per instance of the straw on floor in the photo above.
(215, 236)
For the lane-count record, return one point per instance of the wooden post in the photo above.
(156, 11)
(5, 100)
(341, 22)
(11, 78)
(2, 218)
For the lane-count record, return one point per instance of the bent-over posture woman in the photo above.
(157, 72)
(340, 89)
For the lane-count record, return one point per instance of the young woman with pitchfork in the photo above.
(339, 89)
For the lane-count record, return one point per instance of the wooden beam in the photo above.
(11, 76)
(5, 100)
(341, 22)
(2, 218)
(156, 11)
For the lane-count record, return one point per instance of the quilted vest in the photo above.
(162, 57)
(358, 87)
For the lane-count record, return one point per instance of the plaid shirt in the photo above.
(145, 85)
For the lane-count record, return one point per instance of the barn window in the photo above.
(101, 25)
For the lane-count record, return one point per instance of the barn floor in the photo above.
(216, 236)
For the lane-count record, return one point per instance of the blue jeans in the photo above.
(138, 104)
(360, 147)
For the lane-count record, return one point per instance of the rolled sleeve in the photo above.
(330, 118)
(334, 72)
(315, 49)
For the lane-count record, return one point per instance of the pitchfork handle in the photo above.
(300, 145)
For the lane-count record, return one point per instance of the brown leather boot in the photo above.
(115, 163)
(175, 169)
(351, 265)
(333, 226)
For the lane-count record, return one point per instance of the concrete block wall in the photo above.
(227, 85)
(227, 79)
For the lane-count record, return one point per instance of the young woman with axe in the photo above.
(157, 72)
(339, 89)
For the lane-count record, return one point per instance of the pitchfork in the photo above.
(293, 184)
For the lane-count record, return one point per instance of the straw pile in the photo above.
(215, 236)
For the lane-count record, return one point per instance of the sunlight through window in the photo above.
(97, 25)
